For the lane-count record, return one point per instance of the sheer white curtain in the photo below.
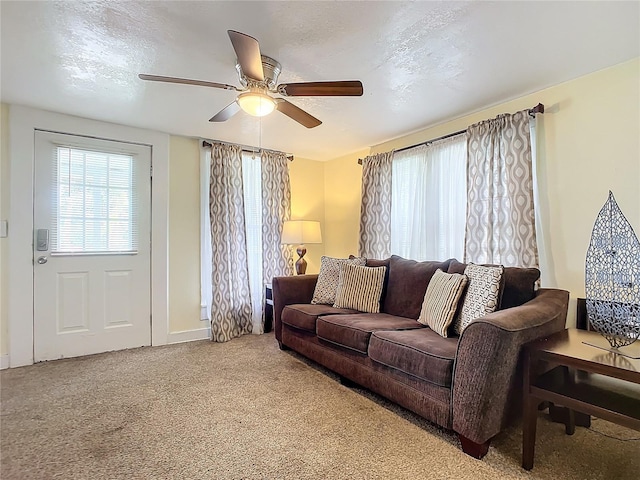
(429, 195)
(252, 181)
(541, 204)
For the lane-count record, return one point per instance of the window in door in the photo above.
(94, 211)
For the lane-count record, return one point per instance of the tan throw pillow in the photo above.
(483, 294)
(441, 301)
(327, 285)
(360, 288)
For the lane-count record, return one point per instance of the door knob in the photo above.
(42, 260)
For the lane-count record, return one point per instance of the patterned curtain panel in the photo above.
(500, 214)
(276, 208)
(375, 210)
(231, 300)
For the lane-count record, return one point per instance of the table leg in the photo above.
(529, 418)
(570, 426)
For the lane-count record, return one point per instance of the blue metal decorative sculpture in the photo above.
(613, 277)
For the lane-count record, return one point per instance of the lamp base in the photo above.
(301, 263)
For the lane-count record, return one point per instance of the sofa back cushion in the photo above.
(407, 285)
(519, 283)
(372, 262)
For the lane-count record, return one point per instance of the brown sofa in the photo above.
(470, 384)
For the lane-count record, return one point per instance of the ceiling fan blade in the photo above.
(349, 88)
(186, 81)
(248, 54)
(226, 113)
(297, 114)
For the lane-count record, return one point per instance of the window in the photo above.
(428, 200)
(252, 190)
(94, 203)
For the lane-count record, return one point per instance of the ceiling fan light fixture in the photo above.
(256, 104)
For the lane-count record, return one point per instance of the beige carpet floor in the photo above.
(246, 410)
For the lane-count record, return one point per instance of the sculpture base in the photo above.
(613, 350)
(301, 264)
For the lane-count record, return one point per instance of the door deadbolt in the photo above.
(42, 240)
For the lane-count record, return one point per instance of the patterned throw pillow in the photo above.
(327, 285)
(441, 301)
(483, 294)
(360, 288)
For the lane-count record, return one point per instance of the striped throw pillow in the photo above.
(329, 277)
(483, 294)
(441, 301)
(360, 288)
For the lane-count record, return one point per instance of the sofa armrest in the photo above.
(486, 366)
(289, 291)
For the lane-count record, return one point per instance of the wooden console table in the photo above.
(563, 369)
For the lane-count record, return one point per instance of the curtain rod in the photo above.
(246, 148)
(532, 111)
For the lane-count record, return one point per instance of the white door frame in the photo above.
(23, 121)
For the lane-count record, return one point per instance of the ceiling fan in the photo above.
(258, 77)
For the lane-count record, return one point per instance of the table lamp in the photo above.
(299, 232)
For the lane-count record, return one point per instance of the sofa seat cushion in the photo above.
(354, 331)
(421, 353)
(303, 316)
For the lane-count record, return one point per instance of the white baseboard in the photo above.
(189, 335)
(4, 361)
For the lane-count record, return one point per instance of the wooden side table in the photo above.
(268, 308)
(563, 369)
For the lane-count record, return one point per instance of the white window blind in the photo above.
(94, 203)
(429, 200)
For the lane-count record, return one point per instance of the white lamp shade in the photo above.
(298, 232)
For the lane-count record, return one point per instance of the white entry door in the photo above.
(91, 246)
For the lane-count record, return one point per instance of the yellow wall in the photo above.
(307, 203)
(4, 214)
(589, 143)
(342, 191)
(184, 235)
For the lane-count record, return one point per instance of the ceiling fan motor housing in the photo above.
(271, 69)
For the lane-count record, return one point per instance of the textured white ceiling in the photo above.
(420, 62)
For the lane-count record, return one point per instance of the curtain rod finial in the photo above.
(537, 109)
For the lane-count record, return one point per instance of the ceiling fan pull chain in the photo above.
(260, 140)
